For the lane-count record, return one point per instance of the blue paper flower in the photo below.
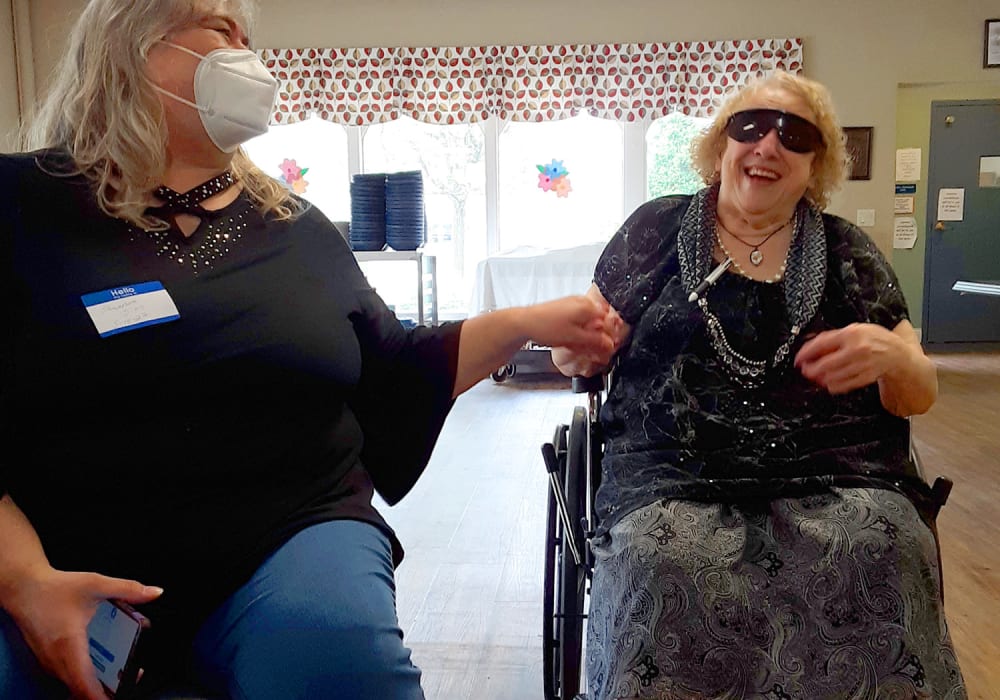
(555, 169)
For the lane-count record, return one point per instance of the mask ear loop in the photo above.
(180, 99)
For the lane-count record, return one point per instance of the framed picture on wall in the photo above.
(991, 44)
(859, 150)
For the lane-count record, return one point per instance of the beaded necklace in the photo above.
(748, 373)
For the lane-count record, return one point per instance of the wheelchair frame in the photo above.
(573, 462)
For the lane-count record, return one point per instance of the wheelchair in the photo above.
(573, 463)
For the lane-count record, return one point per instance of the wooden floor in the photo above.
(470, 589)
(960, 438)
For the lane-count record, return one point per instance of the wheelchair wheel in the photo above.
(565, 580)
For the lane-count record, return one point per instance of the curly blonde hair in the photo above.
(830, 164)
(102, 108)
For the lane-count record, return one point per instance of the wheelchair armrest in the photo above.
(587, 385)
(941, 490)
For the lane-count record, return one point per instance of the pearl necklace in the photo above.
(771, 280)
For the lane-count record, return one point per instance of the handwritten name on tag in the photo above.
(128, 308)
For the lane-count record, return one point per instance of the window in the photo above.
(314, 144)
(451, 158)
(612, 168)
(591, 150)
(668, 155)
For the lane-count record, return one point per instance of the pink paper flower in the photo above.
(545, 182)
(290, 170)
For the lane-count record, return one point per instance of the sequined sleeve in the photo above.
(869, 282)
(630, 271)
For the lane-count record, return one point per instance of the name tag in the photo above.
(127, 308)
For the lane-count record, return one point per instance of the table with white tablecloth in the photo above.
(529, 275)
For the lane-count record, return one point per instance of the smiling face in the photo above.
(762, 182)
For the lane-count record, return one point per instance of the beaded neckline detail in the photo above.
(215, 236)
(190, 202)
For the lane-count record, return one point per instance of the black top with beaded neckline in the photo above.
(271, 404)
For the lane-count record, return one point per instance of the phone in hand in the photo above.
(112, 638)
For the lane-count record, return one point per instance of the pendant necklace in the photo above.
(756, 257)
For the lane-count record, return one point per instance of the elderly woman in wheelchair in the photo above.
(761, 530)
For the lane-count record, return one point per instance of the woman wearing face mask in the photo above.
(200, 391)
(762, 530)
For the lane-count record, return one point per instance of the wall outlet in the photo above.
(866, 217)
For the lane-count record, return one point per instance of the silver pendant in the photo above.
(756, 257)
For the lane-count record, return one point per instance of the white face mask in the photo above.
(234, 94)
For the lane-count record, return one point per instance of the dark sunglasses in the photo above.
(795, 133)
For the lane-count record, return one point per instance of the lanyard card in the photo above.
(127, 308)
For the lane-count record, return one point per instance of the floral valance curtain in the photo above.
(449, 85)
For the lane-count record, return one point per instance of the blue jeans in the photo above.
(317, 620)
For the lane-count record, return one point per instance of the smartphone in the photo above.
(113, 637)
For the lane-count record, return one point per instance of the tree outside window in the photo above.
(451, 158)
(668, 155)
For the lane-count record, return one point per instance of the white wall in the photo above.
(8, 77)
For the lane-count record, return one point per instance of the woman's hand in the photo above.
(577, 322)
(489, 340)
(53, 610)
(860, 354)
(848, 358)
(586, 362)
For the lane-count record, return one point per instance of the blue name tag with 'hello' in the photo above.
(127, 308)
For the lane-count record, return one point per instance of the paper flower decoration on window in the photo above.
(553, 178)
(292, 176)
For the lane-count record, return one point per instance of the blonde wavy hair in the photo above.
(103, 110)
(830, 164)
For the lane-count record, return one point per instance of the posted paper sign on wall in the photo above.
(951, 204)
(907, 164)
(904, 232)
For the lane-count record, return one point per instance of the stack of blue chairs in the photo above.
(404, 210)
(388, 208)
(367, 230)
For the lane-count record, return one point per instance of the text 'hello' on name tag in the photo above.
(122, 309)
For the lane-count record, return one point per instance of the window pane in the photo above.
(668, 155)
(317, 145)
(451, 159)
(591, 151)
